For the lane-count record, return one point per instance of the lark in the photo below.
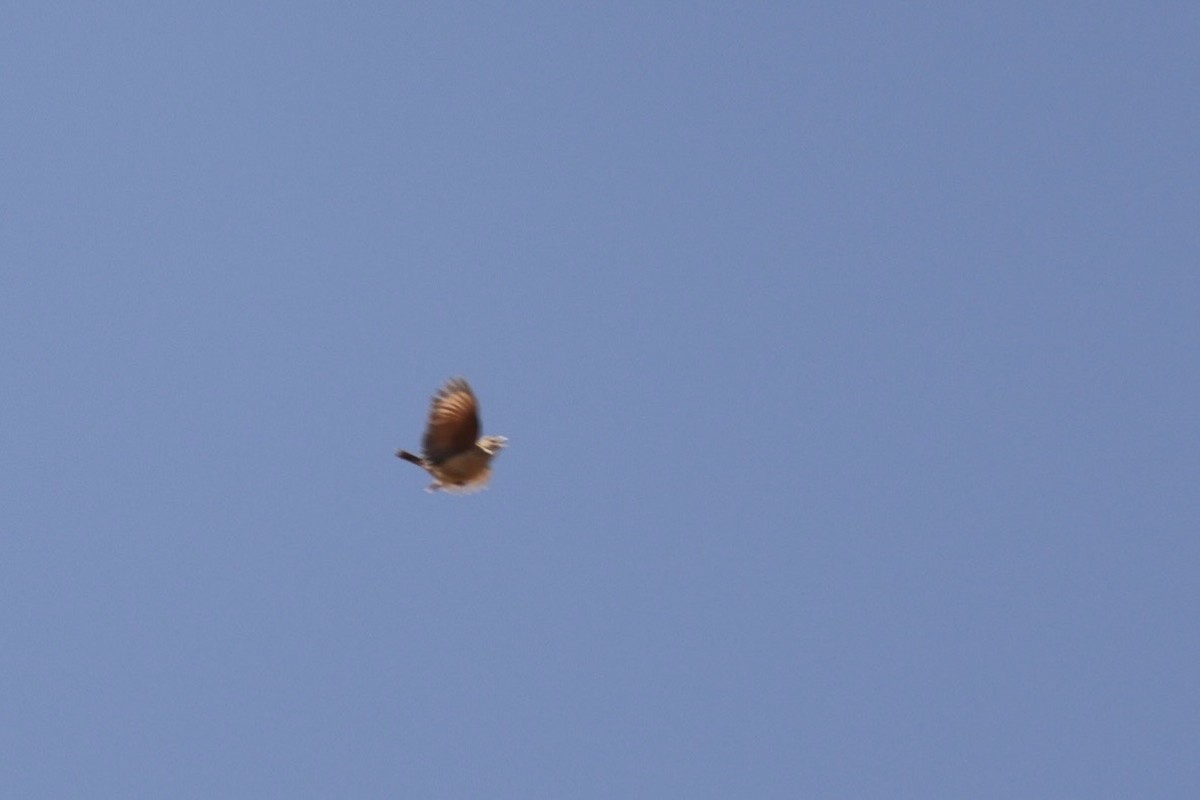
(452, 451)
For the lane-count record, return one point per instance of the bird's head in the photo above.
(492, 444)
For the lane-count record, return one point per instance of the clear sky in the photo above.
(848, 355)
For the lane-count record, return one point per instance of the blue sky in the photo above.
(848, 356)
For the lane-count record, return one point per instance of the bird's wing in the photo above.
(453, 421)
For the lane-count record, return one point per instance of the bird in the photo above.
(452, 451)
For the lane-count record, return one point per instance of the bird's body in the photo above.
(465, 472)
(452, 451)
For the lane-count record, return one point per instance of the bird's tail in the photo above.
(407, 456)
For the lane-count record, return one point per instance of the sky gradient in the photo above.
(847, 354)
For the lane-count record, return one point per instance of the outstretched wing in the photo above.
(453, 421)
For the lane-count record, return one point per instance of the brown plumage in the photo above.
(452, 450)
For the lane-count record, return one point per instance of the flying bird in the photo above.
(452, 450)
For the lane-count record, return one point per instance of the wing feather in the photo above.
(453, 421)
